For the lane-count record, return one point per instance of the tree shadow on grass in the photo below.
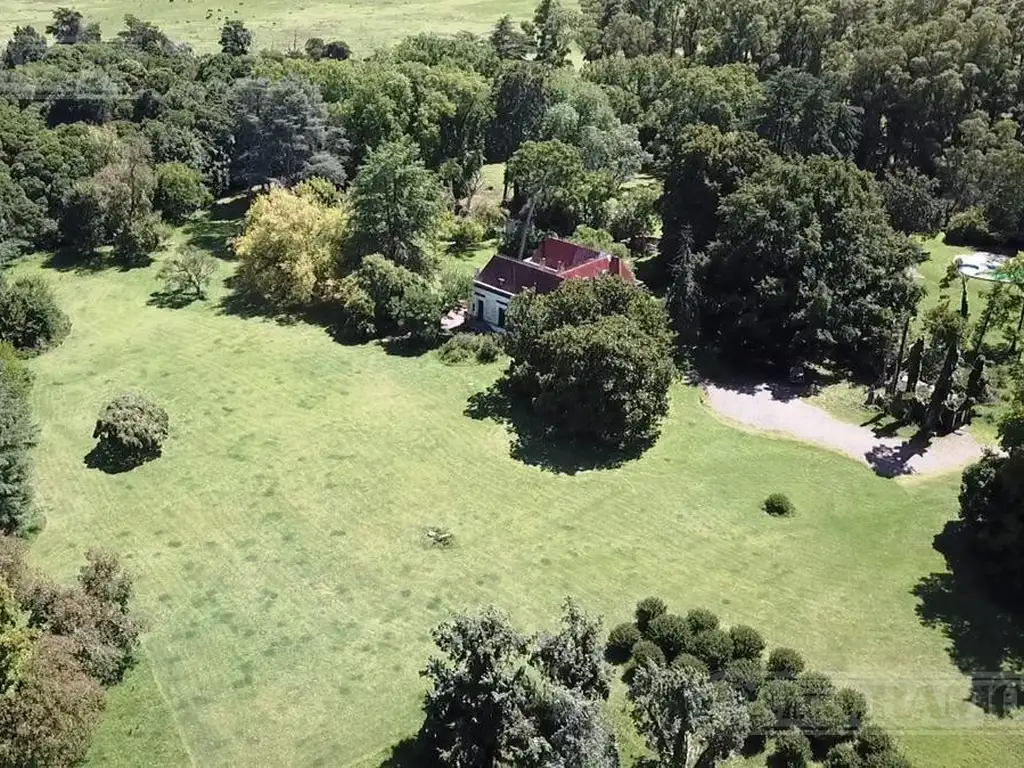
(536, 444)
(213, 231)
(408, 753)
(171, 299)
(65, 260)
(894, 461)
(986, 635)
(112, 463)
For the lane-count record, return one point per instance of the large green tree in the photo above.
(592, 359)
(684, 717)
(806, 269)
(397, 205)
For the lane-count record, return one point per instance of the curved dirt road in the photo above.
(761, 408)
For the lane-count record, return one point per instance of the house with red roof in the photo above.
(554, 262)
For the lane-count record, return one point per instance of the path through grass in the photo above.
(280, 564)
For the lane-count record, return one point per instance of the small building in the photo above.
(554, 261)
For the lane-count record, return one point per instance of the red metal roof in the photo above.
(554, 260)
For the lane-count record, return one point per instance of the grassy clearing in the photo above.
(280, 561)
(279, 24)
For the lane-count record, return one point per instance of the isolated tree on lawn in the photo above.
(397, 205)
(487, 706)
(131, 429)
(475, 710)
(235, 39)
(685, 718)
(189, 273)
(593, 359)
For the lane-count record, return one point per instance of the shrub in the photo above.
(30, 319)
(646, 652)
(466, 233)
(481, 347)
(17, 437)
(779, 505)
(762, 719)
(188, 273)
(647, 610)
(489, 216)
(14, 374)
(747, 642)
(854, 705)
(670, 633)
(131, 429)
(970, 227)
(784, 699)
(701, 620)
(180, 191)
(134, 242)
(785, 663)
(689, 661)
(843, 756)
(714, 646)
(746, 676)
(792, 749)
(621, 641)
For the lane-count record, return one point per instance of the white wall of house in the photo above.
(489, 305)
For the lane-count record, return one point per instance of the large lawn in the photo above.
(279, 557)
(364, 24)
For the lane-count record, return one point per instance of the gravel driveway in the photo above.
(760, 407)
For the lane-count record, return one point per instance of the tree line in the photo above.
(696, 693)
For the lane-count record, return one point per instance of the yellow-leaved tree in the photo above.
(289, 245)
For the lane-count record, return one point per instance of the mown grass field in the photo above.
(278, 543)
(280, 24)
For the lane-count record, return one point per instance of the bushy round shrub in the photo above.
(784, 699)
(714, 646)
(131, 429)
(645, 652)
(647, 610)
(762, 719)
(970, 227)
(621, 640)
(843, 756)
(854, 705)
(747, 642)
(30, 319)
(466, 233)
(701, 620)
(746, 676)
(779, 505)
(670, 633)
(816, 685)
(689, 661)
(463, 347)
(792, 749)
(180, 191)
(785, 663)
